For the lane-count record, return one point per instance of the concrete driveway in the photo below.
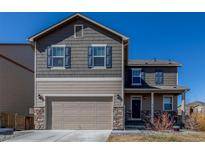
(63, 136)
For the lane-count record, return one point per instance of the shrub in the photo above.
(196, 121)
(163, 122)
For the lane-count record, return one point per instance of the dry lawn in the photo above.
(190, 137)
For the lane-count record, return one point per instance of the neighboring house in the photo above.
(16, 78)
(83, 79)
(193, 107)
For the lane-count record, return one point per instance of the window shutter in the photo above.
(90, 57)
(67, 57)
(143, 76)
(162, 78)
(109, 57)
(49, 57)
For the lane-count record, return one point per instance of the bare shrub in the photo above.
(163, 122)
(196, 121)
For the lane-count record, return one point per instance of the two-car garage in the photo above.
(79, 112)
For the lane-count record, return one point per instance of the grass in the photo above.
(172, 137)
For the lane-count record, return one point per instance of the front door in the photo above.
(136, 107)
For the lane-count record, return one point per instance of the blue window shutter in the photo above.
(90, 57)
(109, 57)
(49, 56)
(67, 57)
(142, 77)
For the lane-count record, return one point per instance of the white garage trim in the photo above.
(76, 95)
(79, 95)
(78, 79)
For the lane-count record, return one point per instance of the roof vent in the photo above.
(155, 59)
(170, 61)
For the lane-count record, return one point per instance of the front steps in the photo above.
(135, 125)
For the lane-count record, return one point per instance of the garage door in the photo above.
(80, 113)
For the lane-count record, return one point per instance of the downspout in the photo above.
(123, 83)
(35, 74)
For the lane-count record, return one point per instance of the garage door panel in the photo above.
(107, 119)
(103, 105)
(80, 114)
(57, 124)
(78, 119)
(79, 126)
(103, 113)
(76, 104)
(103, 126)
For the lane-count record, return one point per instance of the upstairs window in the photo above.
(136, 76)
(78, 31)
(159, 77)
(99, 56)
(58, 56)
(167, 103)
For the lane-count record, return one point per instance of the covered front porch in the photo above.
(143, 104)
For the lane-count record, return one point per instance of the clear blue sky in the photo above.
(176, 36)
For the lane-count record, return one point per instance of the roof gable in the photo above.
(71, 18)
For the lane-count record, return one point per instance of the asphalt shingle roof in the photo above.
(153, 63)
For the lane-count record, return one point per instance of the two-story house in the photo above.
(84, 80)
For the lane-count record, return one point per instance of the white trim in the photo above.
(105, 55)
(98, 67)
(81, 25)
(172, 102)
(74, 95)
(58, 45)
(133, 97)
(78, 79)
(78, 95)
(35, 89)
(137, 84)
(98, 45)
(123, 74)
(77, 14)
(58, 68)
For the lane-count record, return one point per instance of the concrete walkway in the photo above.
(63, 136)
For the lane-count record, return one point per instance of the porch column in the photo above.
(183, 107)
(152, 107)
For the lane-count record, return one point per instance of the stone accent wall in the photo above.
(118, 118)
(39, 118)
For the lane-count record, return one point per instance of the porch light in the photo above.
(40, 97)
(119, 97)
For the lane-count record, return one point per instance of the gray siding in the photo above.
(170, 76)
(20, 53)
(17, 88)
(79, 52)
(77, 87)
